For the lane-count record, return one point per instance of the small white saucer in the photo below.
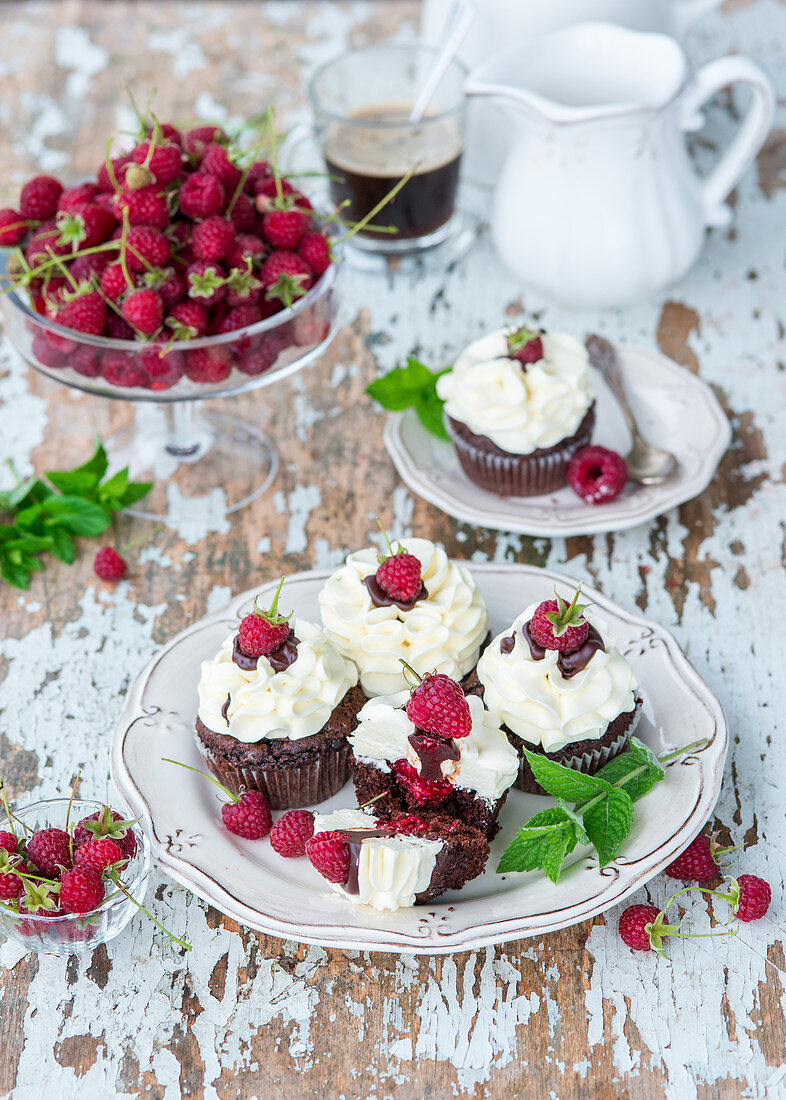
(675, 409)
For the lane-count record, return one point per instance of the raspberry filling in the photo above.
(568, 663)
(380, 598)
(432, 752)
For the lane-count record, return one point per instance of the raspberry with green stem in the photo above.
(246, 814)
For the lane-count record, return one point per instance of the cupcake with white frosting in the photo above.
(398, 863)
(518, 406)
(413, 604)
(276, 704)
(558, 684)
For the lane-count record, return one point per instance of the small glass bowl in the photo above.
(70, 934)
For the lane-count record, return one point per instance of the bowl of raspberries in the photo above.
(185, 267)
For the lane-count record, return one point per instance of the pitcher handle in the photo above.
(688, 11)
(750, 137)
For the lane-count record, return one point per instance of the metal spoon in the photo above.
(647, 464)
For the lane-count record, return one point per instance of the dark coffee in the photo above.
(367, 161)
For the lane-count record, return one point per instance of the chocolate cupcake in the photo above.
(404, 861)
(578, 706)
(518, 406)
(278, 722)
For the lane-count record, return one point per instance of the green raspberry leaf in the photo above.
(608, 822)
(562, 782)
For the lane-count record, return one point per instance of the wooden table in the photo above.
(573, 1015)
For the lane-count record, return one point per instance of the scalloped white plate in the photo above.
(180, 812)
(675, 410)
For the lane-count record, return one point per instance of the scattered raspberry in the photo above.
(208, 364)
(215, 161)
(213, 238)
(8, 842)
(146, 248)
(81, 890)
(597, 474)
(144, 311)
(525, 345)
(286, 276)
(633, 926)
(165, 162)
(11, 886)
(284, 228)
(39, 198)
(146, 206)
(754, 898)
(84, 313)
(557, 625)
(98, 853)
(249, 817)
(399, 575)
(109, 823)
(328, 853)
(423, 792)
(201, 196)
(50, 851)
(263, 630)
(437, 705)
(696, 863)
(108, 565)
(290, 833)
(13, 227)
(315, 250)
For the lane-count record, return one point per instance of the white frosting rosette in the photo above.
(533, 699)
(519, 410)
(488, 763)
(264, 703)
(443, 631)
(391, 870)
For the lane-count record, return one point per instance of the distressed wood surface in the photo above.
(572, 1015)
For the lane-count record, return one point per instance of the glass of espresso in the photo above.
(362, 101)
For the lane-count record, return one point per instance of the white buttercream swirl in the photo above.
(264, 703)
(391, 870)
(534, 699)
(442, 632)
(488, 764)
(521, 411)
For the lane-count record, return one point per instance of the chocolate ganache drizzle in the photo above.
(380, 598)
(279, 660)
(355, 840)
(432, 752)
(568, 663)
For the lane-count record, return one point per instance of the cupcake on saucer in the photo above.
(394, 864)
(433, 751)
(518, 406)
(412, 604)
(557, 683)
(276, 705)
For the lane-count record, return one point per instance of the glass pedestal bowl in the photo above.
(192, 455)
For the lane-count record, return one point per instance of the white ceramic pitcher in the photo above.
(598, 203)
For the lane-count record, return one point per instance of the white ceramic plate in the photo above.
(180, 812)
(675, 409)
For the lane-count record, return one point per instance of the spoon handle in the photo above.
(460, 16)
(604, 357)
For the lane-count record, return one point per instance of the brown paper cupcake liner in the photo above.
(286, 785)
(510, 475)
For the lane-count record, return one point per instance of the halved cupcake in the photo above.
(392, 864)
(557, 683)
(276, 705)
(413, 604)
(518, 406)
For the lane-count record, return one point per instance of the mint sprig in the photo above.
(45, 516)
(413, 386)
(602, 811)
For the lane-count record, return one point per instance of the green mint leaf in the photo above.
(12, 499)
(31, 518)
(575, 817)
(79, 516)
(529, 847)
(62, 545)
(84, 477)
(554, 855)
(14, 570)
(114, 487)
(429, 409)
(607, 823)
(635, 771)
(562, 782)
(135, 491)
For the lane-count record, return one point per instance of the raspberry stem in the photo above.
(232, 797)
(271, 614)
(142, 538)
(409, 668)
(114, 877)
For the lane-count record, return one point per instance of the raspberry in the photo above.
(243, 213)
(249, 817)
(109, 823)
(121, 369)
(187, 319)
(208, 364)
(206, 282)
(113, 282)
(241, 317)
(108, 565)
(8, 842)
(259, 359)
(557, 625)
(146, 248)
(11, 886)
(437, 705)
(117, 328)
(315, 250)
(201, 196)
(525, 345)
(263, 630)
(258, 171)
(166, 161)
(103, 177)
(146, 206)
(73, 197)
(290, 833)
(245, 246)
(85, 313)
(144, 311)
(39, 198)
(169, 284)
(195, 140)
(50, 851)
(213, 238)
(399, 575)
(409, 824)
(696, 863)
(328, 853)
(286, 276)
(98, 853)
(84, 268)
(164, 369)
(12, 227)
(754, 898)
(270, 187)
(87, 227)
(633, 926)
(84, 361)
(45, 354)
(44, 244)
(215, 161)
(597, 474)
(81, 890)
(423, 792)
(284, 228)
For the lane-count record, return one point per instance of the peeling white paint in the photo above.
(75, 51)
(182, 47)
